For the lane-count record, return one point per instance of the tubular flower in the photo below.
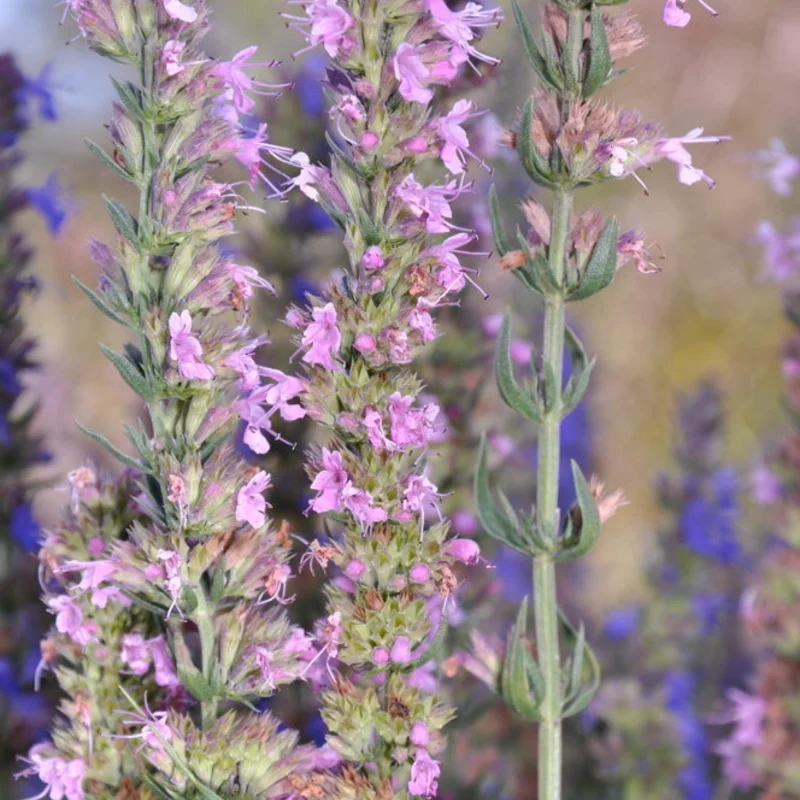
(163, 583)
(391, 539)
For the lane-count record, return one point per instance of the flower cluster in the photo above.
(762, 747)
(398, 565)
(21, 450)
(186, 598)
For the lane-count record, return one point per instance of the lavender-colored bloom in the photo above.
(49, 201)
(708, 522)
(24, 713)
(622, 623)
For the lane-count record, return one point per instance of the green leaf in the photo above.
(494, 523)
(512, 393)
(532, 49)
(100, 303)
(116, 452)
(518, 669)
(581, 373)
(600, 63)
(500, 240)
(125, 224)
(580, 694)
(602, 265)
(130, 373)
(109, 162)
(130, 95)
(536, 269)
(582, 539)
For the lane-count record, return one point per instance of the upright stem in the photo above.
(544, 571)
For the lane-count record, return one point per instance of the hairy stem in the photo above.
(544, 571)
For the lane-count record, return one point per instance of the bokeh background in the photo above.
(706, 314)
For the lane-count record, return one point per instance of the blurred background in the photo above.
(706, 314)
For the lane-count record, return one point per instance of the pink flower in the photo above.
(135, 653)
(63, 779)
(401, 650)
(186, 349)
(457, 26)
(329, 26)
(359, 503)
(165, 674)
(380, 656)
(246, 279)
(373, 258)
(410, 427)
(355, 569)
(249, 151)
(94, 574)
(308, 178)
(455, 143)
(171, 57)
(675, 15)
(250, 411)
(430, 204)
(327, 23)
(674, 150)
(423, 322)
(323, 336)
(234, 78)
(69, 620)
(767, 487)
(419, 735)
(412, 74)
(329, 482)
(424, 775)
(244, 365)
(781, 167)
(464, 550)
(180, 11)
(419, 493)
(250, 503)
(279, 394)
(173, 563)
(420, 573)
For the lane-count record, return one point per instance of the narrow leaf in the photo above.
(500, 240)
(599, 65)
(100, 303)
(602, 265)
(581, 373)
(116, 452)
(131, 98)
(531, 48)
(585, 536)
(125, 224)
(514, 683)
(109, 162)
(512, 393)
(492, 521)
(129, 372)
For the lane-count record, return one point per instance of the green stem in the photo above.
(544, 571)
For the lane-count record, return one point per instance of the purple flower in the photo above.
(47, 199)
